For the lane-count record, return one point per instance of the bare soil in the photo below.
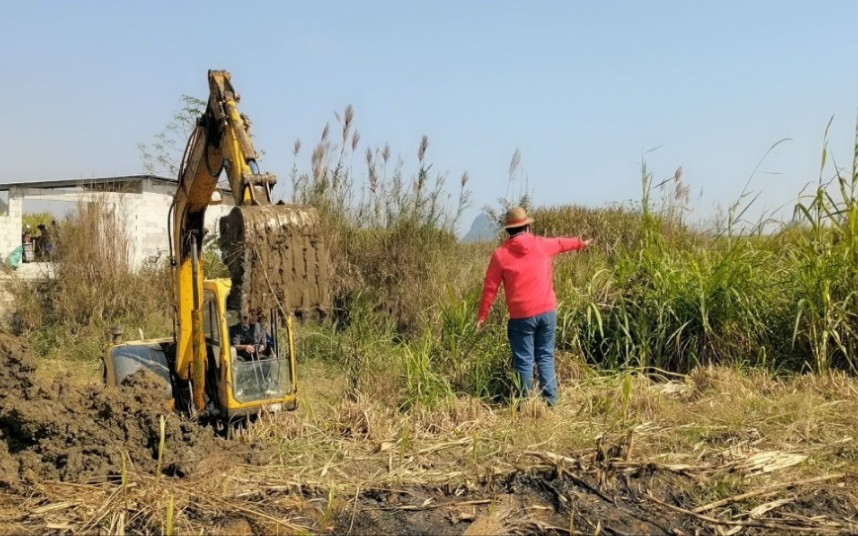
(544, 501)
(529, 501)
(60, 430)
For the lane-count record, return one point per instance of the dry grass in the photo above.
(94, 286)
(715, 411)
(712, 409)
(391, 236)
(724, 432)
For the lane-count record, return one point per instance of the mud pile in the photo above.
(57, 430)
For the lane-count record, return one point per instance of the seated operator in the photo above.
(249, 339)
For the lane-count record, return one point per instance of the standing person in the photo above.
(43, 242)
(523, 265)
(27, 244)
(55, 238)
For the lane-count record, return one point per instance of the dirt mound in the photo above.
(61, 431)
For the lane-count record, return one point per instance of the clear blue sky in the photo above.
(582, 88)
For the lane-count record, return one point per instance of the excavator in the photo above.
(278, 271)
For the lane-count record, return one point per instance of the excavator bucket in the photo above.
(276, 260)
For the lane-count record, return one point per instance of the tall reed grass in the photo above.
(655, 293)
(824, 260)
(388, 234)
(93, 287)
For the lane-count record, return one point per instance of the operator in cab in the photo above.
(249, 339)
(255, 348)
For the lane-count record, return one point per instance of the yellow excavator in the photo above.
(278, 272)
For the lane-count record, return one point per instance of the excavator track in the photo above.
(276, 260)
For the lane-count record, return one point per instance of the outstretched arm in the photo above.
(553, 246)
(490, 288)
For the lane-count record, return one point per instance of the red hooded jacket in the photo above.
(523, 263)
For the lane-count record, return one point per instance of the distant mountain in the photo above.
(482, 230)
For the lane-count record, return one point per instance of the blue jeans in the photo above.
(532, 341)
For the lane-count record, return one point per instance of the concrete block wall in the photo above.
(11, 225)
(148, 224)
(26, 272)
(148, 228)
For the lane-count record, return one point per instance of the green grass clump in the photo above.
(825, 269)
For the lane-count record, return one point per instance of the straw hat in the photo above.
(516, 217)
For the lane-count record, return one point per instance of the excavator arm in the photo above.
(274, 254)
(220, 142)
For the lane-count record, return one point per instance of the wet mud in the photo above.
(276, 260)
(59, 430)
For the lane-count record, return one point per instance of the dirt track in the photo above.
(62, 431)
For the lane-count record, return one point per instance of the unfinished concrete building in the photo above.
(142, 202)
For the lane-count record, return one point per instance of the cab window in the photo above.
(211, 327)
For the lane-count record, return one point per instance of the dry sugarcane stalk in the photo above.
(416, 508)
(769, 462)
(764, 491)
(557, 459)
(218, 502)
(354, 510)
(776, 526)
(758, 511)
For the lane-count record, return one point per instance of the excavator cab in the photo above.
(242, 382)
(238, 383)
(265, 375)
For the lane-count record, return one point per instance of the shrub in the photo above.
(94, 284)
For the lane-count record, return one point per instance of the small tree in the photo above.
(164, 153)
